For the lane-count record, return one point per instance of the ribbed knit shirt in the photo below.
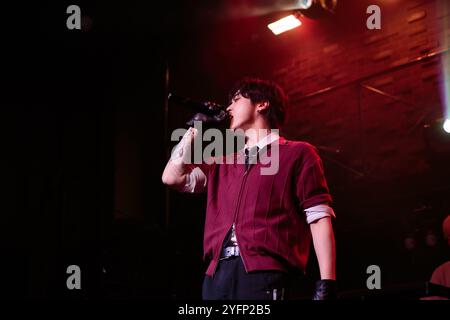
(267, 210)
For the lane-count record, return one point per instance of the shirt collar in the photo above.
(271, 137)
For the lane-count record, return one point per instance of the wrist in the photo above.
(326, 289)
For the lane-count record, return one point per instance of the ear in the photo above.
(262, 107)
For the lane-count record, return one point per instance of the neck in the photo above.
(254, 135)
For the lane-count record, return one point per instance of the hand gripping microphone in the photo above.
(207, 111)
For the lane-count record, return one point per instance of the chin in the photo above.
(237, 125)
(233, 126)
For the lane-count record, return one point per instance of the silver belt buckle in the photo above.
(229, 252)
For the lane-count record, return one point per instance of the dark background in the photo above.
(85, 141)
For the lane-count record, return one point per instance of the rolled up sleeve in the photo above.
(311, 185)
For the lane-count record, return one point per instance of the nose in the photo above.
(229, 107)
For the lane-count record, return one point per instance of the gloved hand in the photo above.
(212, 120)
(325, 290)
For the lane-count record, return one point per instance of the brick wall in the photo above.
(372, 119)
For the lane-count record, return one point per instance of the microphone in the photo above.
(208, 108)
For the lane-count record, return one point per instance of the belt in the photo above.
(230, 252)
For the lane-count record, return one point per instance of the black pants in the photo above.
(231, 282)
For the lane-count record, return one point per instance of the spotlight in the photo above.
(287, 23)
(317, 8)
(446, 125)
(303, 8)
(304, 4)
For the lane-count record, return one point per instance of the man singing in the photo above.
(259, 226)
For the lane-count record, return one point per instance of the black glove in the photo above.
(325, 290)
(211, 120)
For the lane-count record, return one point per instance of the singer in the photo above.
(258, 228)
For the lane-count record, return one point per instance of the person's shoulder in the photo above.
(300, 151)
(441, 270)
(297, 146)
(441, 275)
(444, 266)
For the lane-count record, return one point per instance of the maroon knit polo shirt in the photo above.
(271, 228)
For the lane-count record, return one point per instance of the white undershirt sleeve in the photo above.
(196, 181)
(318, 212)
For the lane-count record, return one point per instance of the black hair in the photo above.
(258, 91)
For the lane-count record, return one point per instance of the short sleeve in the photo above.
(206, 166)
(311, 185)
(197, 179)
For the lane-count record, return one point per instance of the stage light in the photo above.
(409, 242)
(328, 5)
(304, 4)
(287, 23)
(431, 239)
(313, 9)
(446, 125)
(317, 8)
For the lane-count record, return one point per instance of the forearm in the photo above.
(174, 174)
(324, 246)
(177, 167)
